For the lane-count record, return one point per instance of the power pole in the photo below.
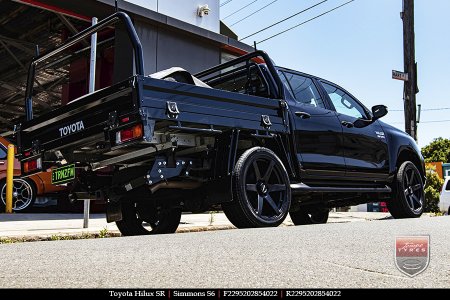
(410, 89)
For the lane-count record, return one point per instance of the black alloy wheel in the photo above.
(311, 216)
(409, 197)
(141, 219)
(261, 190)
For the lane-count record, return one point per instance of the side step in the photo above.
(298, 188)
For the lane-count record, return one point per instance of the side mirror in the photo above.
(379, 111)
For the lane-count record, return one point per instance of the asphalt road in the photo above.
(359, 254)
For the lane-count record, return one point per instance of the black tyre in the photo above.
(313, 216)
(142, 219)
(261, 190)
(24, 194)
(408, 197)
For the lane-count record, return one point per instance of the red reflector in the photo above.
(126, 135)
(129, 134)
(125, 120)
(32, 165)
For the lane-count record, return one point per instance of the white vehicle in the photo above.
(444, 201)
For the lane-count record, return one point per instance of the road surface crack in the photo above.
(365, 270)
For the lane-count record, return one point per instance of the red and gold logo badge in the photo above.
(412, 254)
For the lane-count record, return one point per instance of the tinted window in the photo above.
(235, 84)
(304, 90)
(2, 153)
(447, 187)
(344, 103)
(284, 80)
(242, 80)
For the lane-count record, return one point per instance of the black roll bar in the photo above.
(246, 57)
(112, 19)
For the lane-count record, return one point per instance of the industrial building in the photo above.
(187, 33)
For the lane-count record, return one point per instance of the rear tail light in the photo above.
(32, 165)
(129, 134)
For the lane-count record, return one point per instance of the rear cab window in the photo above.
(245, 79)
(303, 89)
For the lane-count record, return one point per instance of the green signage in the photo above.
(63, 174)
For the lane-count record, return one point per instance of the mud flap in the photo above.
(218, 191)
(113, 211)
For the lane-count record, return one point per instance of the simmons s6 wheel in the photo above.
(310, 216)
(261, 190)
(408, 199)
(139, 218)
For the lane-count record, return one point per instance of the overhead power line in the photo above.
(426, 122)
(281, 21)
(437, 121)
(255, 12)
(433, 109)
(225, 3)
(425, 109)
(235, 12)
(307, 21)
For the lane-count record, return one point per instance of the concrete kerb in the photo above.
(92, 235)
(190, 223)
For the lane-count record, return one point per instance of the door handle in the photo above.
(347, 124)
(302, 115)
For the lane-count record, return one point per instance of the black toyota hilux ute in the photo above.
(253, 139)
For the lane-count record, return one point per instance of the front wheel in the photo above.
(140, 218)
(261, 190)
(24, 194)
(408, 193)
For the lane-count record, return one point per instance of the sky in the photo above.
(357, 47)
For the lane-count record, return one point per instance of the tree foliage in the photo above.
(438, 150)
(432, 190)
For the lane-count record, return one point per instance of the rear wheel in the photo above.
(24, 194)
(408, 199)
(140, 218)
(261, 190)
(312, 216)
